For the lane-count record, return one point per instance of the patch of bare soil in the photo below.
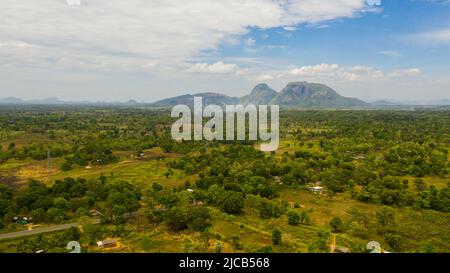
(154, 155)
(10, 181)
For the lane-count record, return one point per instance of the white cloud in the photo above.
(290, 28)
(412, 72)
(231, 40)
(264, 77)
(250, 42)
(215, 68)
(314, 70)
(315, 11)
(374, 2)
(135, 32)
(336, 72)
(16, 45)
(73, 2)
(360, 81)
(441, 36)
(390, 53)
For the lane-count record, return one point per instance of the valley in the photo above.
(383, 176)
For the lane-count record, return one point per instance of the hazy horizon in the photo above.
(424, 101)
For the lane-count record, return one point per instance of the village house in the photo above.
(107, 243)
(316, 189)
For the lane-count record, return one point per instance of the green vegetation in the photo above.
(385, 177)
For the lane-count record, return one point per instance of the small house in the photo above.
(278, 180)
(107, 243)
(94, 212)
(316, 189)
(341, 249)
(22, 220)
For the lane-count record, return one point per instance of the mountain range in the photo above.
(388, 102)
(295, 95)
(56, 101)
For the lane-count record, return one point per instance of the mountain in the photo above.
(304, 94)
(260, 95)
(47, 101)
(389, 102)
(294, 95)
(439, 102)
(208, 98)
(51, 100)
(385, 103)
(10, 100)
(56, 101)
(442, 102)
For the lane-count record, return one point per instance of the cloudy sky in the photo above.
(115, 50)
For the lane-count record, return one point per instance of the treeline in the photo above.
(237, 171)
(393, 191)
(37, 151)
(67, 199)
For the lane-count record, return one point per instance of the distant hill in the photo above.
(208, 98)
(260, 95)
(10, 100)
(428, 102)
(56, 101)
(304, 94)
(294, 95)
(388, 102)
(385, 103)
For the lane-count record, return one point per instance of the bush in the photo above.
(157, 187)
(269, 209)
(66, 166)
(386, 218)
(38, 215)
(56, 215)
(393, 239)
(304, 218)
(293, 218)
(146, 243)
(276, 237)
(336, 224)
(320, 245)
(266, 249)
(199, 219)
(82, 211)
(218, 247)
(72, 234)
(232, 202)
(177, 218)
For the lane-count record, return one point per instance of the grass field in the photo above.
(145, 170)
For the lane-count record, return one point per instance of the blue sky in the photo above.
(146, 50)
(358, 40)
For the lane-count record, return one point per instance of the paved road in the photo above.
(41, 230)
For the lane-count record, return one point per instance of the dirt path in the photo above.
(41, 230)
(333, 243)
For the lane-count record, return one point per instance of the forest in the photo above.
(382, 175)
